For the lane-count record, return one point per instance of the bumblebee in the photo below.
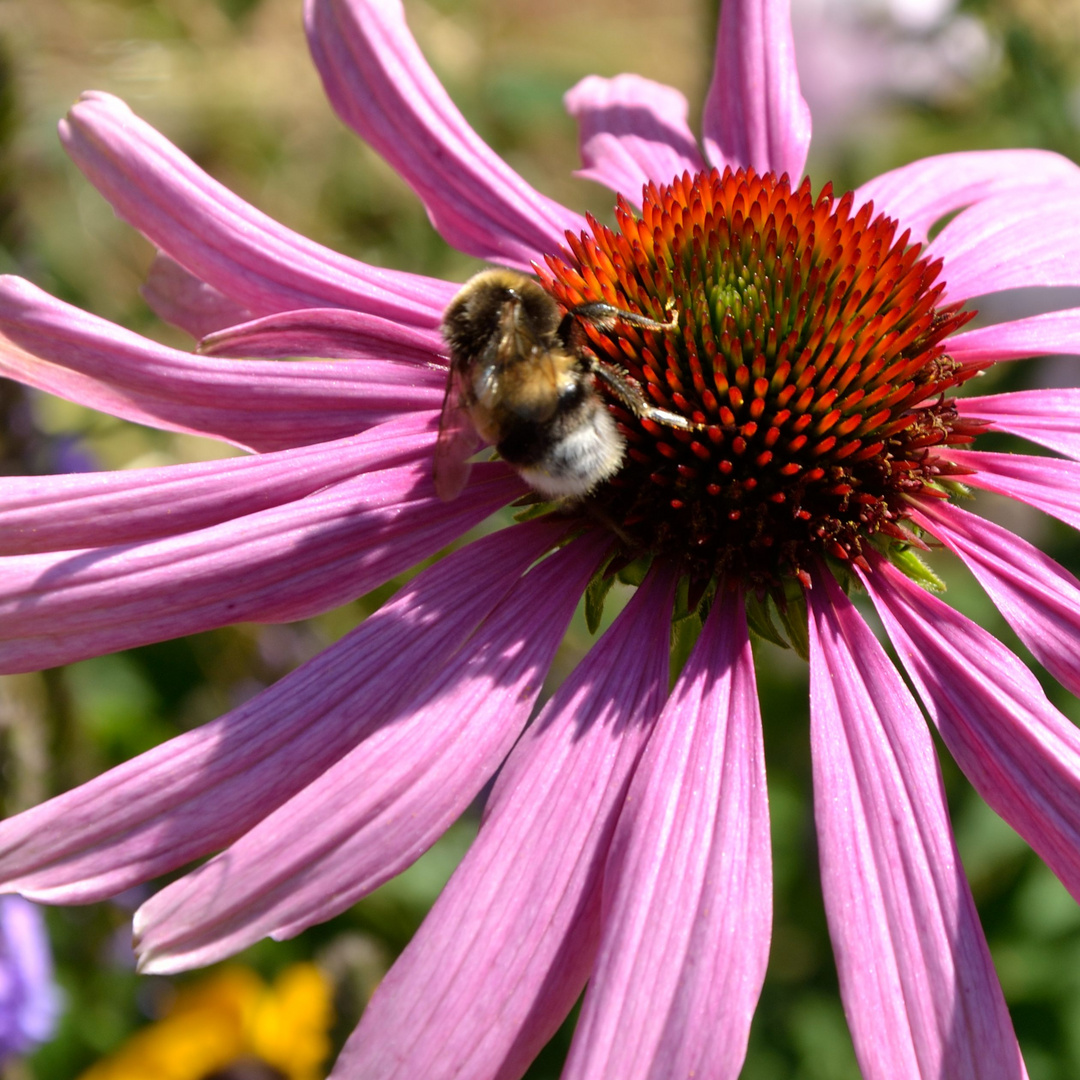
(522, 379)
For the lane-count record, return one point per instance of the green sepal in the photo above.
(532, 510)
(595, 595)
(634, 573)
(906, 558)
(953, 488)
(684, 635)
(686, 625)
(908, 561)
(792, 611)
(759, 619)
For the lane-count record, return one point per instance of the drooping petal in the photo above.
(1020, 753)
(202, 790)
(274, 565)
(922, 193)
(918, 984)
(180, 298)
(1048, 417)
(1005, 243)
(688, 883)
(259, 405)
(329, 332)
(1037, 335)
(220, 239)
(382, 805)
(1046, 483)
(632, 130)
(380, 84)
(86, 510)
(1039, 598)
(755, 114)
(505, 951)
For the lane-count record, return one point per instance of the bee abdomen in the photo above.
(570, 456)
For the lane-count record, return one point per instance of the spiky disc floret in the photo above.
(809, 357)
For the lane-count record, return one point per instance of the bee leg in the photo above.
(605, 520)
(605, 316)
(628, 391)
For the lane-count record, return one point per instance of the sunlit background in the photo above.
(230, 82)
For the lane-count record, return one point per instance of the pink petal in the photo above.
(506, 950)
(1046, 483)
(755, 115)
(1037, 335)
(918, 984)
(688, 883)
(218, 238)
(381, 86)
(1003, 242)
(1050, 418)
(632, 130)
(1039, 598)
(1020, 753)
(85, 510)
(260, 405)
(330, 332)
(183, 300)
(382, 805)
(920, 194)
(204, 789)
(274, 565)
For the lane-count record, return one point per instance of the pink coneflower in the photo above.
(625, 843)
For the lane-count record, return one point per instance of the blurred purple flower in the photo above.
(29, 1003)
(856, 56)
(626, 839)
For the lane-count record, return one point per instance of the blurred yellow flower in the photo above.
(233, 1024)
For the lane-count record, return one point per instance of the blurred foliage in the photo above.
(231, 83)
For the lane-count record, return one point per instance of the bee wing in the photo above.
(457, 441)
(529, 387)
(544, 363)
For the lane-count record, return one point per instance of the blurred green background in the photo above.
(231, 83)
